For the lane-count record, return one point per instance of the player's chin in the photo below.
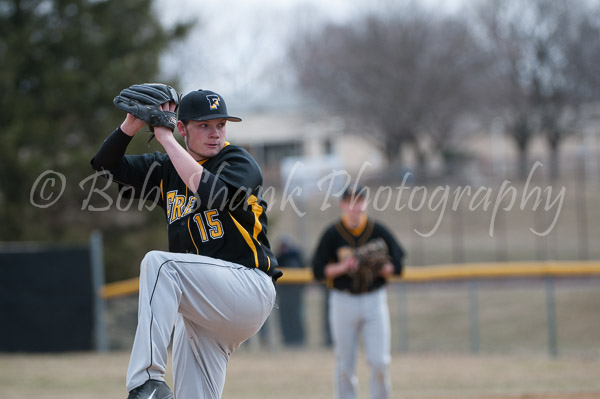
(210, 151)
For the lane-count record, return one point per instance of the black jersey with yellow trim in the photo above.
(224, 219)
(339, 239)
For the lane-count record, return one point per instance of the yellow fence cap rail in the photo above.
(422, 273)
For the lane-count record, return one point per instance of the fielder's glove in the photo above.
(143, 100)
(371, 258)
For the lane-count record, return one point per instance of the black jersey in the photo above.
(225, 219)
(336, 242)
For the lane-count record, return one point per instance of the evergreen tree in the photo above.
(61, 64)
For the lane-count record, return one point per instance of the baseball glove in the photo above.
(143, 100)
(371, 258)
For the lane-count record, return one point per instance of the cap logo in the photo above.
(213, 100)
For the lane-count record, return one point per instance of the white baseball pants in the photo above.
(351, 315)
(211, 306)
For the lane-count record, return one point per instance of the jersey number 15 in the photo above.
(215, 228)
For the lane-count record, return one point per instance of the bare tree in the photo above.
(395, 76)
(505, 31)
(458, 76)
(569, 64)
(545, 53)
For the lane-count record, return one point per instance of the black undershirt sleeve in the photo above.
(111, 153)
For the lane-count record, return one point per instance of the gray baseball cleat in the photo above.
(151, 389)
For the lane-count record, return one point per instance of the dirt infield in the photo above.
(307, 374)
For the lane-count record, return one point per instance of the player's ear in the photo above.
(181, 128)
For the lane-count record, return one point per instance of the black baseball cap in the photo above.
(203, 105)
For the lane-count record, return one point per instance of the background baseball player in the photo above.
(358, 299)
(215, 286)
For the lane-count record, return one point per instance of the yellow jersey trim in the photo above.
(188, 225)
(247, 238)
(358, 229)
(192, 237)
(344, 234)
(257, 210)
(368, 232)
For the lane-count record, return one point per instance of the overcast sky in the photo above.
(238, 47)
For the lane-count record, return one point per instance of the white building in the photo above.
(302, 146)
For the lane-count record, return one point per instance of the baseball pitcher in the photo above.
(215, 287)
